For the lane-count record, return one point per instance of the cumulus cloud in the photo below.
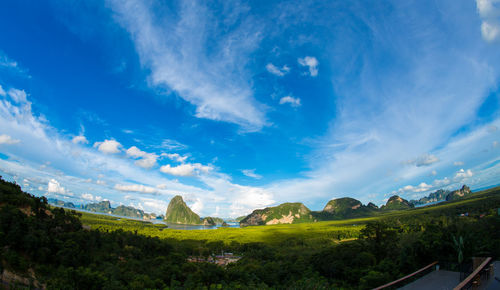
(2, 92)
(173, 49)
(311, 62)
(136, 188)
(6, 139)
(276, 70)
(489, 11)
(54, 187)
(147, 160)
(185, 169)
(135, 152)
(175, 157)
(251, 173)
(108, 146)
(294, 102)
(79, 139)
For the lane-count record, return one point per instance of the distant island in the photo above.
(105, 207)
(178, 212)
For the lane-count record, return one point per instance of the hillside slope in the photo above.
(286, 213)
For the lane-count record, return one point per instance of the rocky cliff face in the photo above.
(103, 206)
(286, 213)
(179, 213)
(457, 194)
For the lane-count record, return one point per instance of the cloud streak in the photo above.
(172, 48)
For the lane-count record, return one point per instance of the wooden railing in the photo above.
(475, 273)
(406, 277)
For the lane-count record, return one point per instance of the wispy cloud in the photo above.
(276, 70)
(251, 173)
(294, 102)
(173, 48)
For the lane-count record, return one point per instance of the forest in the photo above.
(55, 248)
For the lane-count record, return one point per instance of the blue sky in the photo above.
(239, 106)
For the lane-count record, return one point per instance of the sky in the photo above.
(238, 106)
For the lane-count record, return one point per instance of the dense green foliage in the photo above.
(179, 213)
(346, 207)
(352, 254)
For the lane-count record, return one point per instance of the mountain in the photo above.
(397, 203)
(459, 193)
(122, 210)
(62, 203)
(286, 213)
(103, 206)
(212, 221)
(438, 195)
(128, 211)
(346, 207)
(179, 213)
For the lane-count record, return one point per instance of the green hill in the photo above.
(286, 213)
(179, 213)
(397, 203)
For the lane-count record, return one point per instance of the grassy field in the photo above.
(305, 233)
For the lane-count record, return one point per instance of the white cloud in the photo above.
(294, 102)
(54, 187)
(161, 186)
(423, 160)
(100, 182)
(147, 161)
(87, 196)
(2, 92)
(175, 157)
(135, 152)
(312, 63)
(458, 163)
(6, 139)
(185, 169)
(136, 188)
(434, 173)
(108, 146)
(18, 96)
(197, 206)
(251, 173)
(489, 11)
(463, 174)
(173, 49)
(80, 139)
(276, 70)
